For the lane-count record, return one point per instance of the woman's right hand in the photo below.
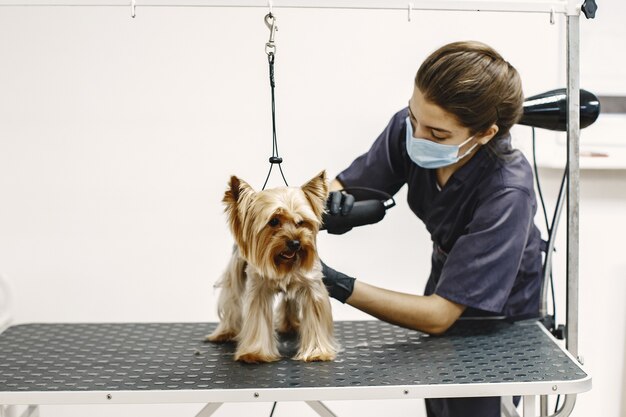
(339, 203)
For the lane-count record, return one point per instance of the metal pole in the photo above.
(573, 195)
(531, 6)
(573, 183)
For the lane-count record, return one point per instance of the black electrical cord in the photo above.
(543, 206)
(556, 406)
(545, 216)
(551, 234)
(273, 408)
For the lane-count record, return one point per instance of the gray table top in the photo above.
(475, 357)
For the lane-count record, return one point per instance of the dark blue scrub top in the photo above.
(486, 247)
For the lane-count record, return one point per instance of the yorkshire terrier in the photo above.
(275, 231)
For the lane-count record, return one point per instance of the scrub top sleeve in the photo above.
(483, 264)
(384, 166)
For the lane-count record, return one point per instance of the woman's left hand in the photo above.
(339, 285)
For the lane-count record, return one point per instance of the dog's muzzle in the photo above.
(293, 246)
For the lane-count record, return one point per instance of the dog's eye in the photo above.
(300, 223)
(274, 222)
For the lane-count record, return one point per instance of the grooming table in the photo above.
(124, 363)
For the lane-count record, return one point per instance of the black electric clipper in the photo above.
(366, 210)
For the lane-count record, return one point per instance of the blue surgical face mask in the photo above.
(429, 154)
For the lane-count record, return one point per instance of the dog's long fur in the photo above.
(275, 231)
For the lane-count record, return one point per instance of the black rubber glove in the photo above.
(339, 203)
(339, 286)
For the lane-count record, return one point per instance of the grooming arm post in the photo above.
(573, 183)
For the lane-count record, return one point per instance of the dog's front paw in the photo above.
(316, 355)
(287, 327)
(221, 336)
(256, 357)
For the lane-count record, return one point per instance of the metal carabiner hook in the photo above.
(270, 22)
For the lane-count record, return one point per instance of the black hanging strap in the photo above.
(270, 50)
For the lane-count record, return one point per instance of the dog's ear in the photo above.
(236, 198)
(236, 191)
(232, 192)
(316, 191)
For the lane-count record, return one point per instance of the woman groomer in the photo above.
(475, 194)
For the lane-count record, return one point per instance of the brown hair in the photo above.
(474, 83)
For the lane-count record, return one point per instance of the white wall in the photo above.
(118, 135)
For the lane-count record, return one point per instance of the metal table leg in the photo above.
(507, 408)
(543, 405)
(209, 409)
(320, 408)
(529, 406)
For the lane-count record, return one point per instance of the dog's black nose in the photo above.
(293, 244)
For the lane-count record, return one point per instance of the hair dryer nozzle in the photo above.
(549, 110)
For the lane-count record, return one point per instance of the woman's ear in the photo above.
(488, 134)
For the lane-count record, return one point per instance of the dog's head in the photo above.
(276, 229)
